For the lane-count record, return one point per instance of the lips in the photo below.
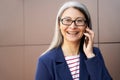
(72, 32)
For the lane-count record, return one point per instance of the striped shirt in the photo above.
(73, 64)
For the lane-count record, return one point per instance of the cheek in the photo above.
(62, 29)
(82, 30)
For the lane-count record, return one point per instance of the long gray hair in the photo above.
(58, 38)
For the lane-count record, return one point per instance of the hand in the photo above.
(88, 43)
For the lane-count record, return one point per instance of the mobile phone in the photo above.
(86, 39)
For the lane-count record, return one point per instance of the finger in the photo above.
(90, 39)
(87, 35)
(90, 32)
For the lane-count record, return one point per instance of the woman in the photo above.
(71, 55)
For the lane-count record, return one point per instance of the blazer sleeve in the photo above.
(42, 72)
(96, 67)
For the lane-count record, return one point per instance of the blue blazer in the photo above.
(52, 66)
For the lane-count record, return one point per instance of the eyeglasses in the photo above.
(78, 21)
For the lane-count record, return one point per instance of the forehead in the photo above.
(73, 13)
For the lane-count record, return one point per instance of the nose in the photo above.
(73, 25)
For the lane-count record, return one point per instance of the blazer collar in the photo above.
(83, 69)
(63, 72)
(59, 55)
(62, 67)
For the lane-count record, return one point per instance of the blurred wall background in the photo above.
(27, 26)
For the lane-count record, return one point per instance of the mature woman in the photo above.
(71, 55)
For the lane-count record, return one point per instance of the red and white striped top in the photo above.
(73, 64)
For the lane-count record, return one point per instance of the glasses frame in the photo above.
(85, 22)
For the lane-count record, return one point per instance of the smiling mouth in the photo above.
(72, 33)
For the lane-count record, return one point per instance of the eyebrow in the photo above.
(75, 18)
(67, 17)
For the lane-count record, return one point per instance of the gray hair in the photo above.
(58, 39)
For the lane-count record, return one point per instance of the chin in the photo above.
(73, 40)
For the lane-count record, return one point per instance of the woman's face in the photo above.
(72, 25)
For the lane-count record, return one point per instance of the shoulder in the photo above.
(48, 56)
(98, 56)
(98, 53)
(96, 50)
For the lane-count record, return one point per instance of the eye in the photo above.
(68, 20)
(79, 21)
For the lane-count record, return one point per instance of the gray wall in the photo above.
(27, 26)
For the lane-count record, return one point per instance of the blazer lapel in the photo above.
(83, 70)
(62, 70)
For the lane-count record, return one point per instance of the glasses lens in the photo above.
(80, 22)
(66, 21)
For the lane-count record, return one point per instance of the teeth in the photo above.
(72, 33)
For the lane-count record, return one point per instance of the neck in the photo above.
(70, 48)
